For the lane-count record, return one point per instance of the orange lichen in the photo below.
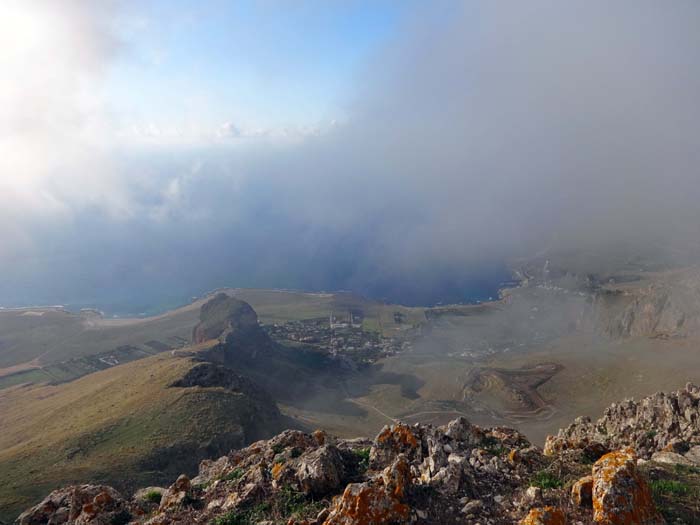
(582, 492)
(375, 502)
(320, 437)
(398, 434)
(544, 516)
(277, 470)
(621, 496)
(514, 456)
(364, 504)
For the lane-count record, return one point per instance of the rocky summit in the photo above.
(235, 325)
(605, 473)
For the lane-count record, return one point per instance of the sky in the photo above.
(406, 150)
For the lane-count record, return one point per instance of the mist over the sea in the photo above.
(472, 134)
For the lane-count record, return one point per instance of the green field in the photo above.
(53, 345)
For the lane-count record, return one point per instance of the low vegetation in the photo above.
(546, 480)
(287, 503)
(362, 459)
(676, 492)
(153, 496)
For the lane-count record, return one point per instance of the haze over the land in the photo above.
(150, 152)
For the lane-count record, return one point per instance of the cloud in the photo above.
(229, 129)
(52, 117)
(482, 133)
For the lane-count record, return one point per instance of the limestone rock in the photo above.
(79, 504)
(177, 494)
(660, 422)
(544, 516)
(377, 502)
(621, 496)
(320, 471)
(671, 458)
(582, 492)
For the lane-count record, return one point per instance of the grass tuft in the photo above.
(235, 474)
(545, 480)
(669, 486)
(362, 456)
(153, 496)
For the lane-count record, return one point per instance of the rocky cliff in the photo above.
(235, 324)
(662, 305)
(615, 471)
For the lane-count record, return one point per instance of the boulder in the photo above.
(582, 492)
(671, 458)
(376, 502)
(320, 471)
(621, 495)
(391, 441)
(544, 516)
(78, 504)
(177, 493)
(211, 470)
(693, 455)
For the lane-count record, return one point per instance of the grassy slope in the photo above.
(102, 426)
(56, 335)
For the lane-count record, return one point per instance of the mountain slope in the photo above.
(427, 475)
(135, 424)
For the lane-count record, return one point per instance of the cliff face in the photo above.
(457, 473)
(235, 324)
(669, 307)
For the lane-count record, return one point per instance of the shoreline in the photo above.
(106, 316)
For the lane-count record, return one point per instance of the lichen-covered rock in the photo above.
(79, 504)
(320, 471)
(210, 470)
(177, 493)
(671, 458)
(582, 492)
(621, 496)
(377, 502)
(544, 516)
(662, 421)
(391, 441)
(420, 474)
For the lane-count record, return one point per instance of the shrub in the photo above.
(362, 459)
(289, 502)
(685, 469)
(235, 474)
(669, 486)
(153, 496)
(545, 480)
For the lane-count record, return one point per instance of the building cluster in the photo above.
(338, 336)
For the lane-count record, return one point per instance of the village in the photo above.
(341, 336)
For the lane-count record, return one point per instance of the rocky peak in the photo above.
(420, 474)
(222, 315)
(660, 422)
(235, 324)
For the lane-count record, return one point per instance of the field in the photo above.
(53, 345)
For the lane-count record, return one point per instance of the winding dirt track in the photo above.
(519, 385)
